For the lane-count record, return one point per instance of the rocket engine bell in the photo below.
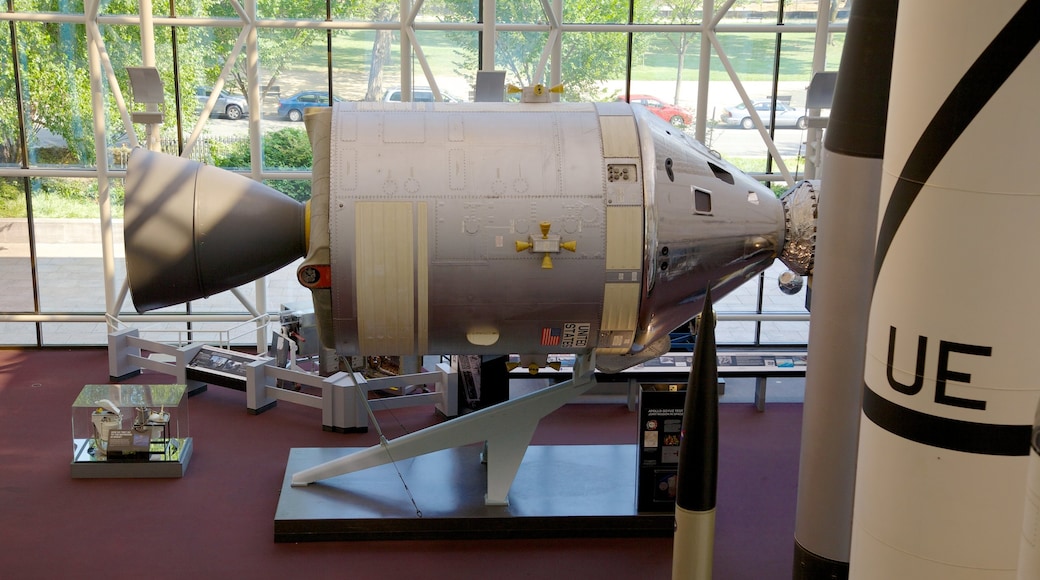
(471, 228)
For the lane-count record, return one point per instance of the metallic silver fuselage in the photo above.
(428, 201)
(469, 228)
(690, 248)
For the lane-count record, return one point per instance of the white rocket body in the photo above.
(1029, 548)
(693, 551)
(950, 384)
(842, 284)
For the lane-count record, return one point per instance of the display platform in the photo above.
(559, 491)
(173, 463)
(130, 431)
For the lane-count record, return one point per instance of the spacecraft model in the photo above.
(474, 228)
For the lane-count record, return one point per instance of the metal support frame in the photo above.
(505, 428)
(760, 394)
(338, 401)
(125, 358)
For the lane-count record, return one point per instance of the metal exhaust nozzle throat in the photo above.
(192, 230)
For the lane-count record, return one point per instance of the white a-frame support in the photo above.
(507, 429)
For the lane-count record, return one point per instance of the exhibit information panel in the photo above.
(660, 427)
(130, 431)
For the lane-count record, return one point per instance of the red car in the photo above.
(677, 116)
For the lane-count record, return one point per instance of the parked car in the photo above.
(293, 107)
(675, 115)
(231, 106)
(420, 95)
(786, 115)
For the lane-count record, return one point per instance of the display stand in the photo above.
(199, 364)
(561, 491)
(462, 473)
(505, 430)
(127, 431)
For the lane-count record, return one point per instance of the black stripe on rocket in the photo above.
(982, 80)
(966, 436)
(985, 77)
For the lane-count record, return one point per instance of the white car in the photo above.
(786, 115)
(419, 95)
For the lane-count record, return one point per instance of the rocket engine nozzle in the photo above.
(193, 230)
(800, 213)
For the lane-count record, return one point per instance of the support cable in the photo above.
(363, 397)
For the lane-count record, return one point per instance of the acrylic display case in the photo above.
(130, 431)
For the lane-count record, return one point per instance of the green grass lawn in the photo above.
(58, 198)
(751, 54)
(46, 205)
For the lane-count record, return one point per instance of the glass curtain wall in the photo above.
(66, 126)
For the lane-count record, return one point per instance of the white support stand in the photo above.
(257, 382)
(506, 428)
(125, 358)
(120, 363)
(338, 401)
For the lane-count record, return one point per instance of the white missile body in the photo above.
(1029, 548)
(950, 385)
(841, 289)
(698, 473)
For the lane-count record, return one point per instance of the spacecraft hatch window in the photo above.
(701, 202)
(721, 173)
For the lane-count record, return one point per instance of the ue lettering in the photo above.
(943, 373)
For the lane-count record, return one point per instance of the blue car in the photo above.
(293, 107)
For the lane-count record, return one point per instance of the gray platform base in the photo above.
(142, 469)
(560, 491)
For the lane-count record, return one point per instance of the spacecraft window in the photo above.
(721, 173)
(701, 201)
